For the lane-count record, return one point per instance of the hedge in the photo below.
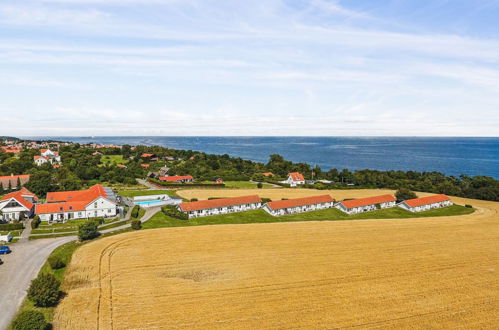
(30, 320)
(179, 185)
(11, 226)
(172, 211)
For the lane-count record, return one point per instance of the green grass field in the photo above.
(134, 193)
(112, 159)
(260, 216)
(241, 184)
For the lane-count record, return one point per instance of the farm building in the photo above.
(298, 205)
(96, 201)
(360, 205)
(13, 180)
(294, 179)
(220, 206)
(426, 203)
(17, 205)
(177, 178)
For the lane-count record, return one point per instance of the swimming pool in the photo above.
(151, 202)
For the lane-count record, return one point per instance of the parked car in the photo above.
(4, 249)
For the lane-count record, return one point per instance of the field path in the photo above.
(425, 273)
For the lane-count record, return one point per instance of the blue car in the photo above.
(4, 249)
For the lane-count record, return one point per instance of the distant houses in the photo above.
(294, 179)
(361, 205)
(220, 206)
(17, 205)
(426, 203)
(177, 178)
(11, 149)
(47, 156)
(298, 205)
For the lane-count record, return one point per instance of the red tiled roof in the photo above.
(277, 205)
(222, 202)
(11, 150)
(295, 176)
(368, 201)
(146, 155)
(39, 156)
(175, 178)
(145, 165)
(121, 166)
(4, 180)
(426, 200)
(88, 195)
(18, 196)
(268, 174)
(60, 207)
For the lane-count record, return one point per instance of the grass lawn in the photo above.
(14, 233)
(260, 216)
(134, 193)
(241, 184)
(113, 159)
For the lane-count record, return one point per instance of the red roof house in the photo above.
(297, 205)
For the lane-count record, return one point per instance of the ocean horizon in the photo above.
(449, 155)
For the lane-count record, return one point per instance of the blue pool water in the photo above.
(148, 202)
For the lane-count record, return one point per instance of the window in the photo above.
(95, 205)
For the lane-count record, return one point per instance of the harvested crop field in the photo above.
(276, 194)
(419, 273)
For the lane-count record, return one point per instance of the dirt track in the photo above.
(427, 272)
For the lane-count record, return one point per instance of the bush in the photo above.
(56, 262)
(88, 230)
(30, 320)
(194, 199)
(172, 211)
(136, 224)
(99, 220)
(259, 185)
(265, 200)
(11, 226)
(403, 194)
(135, 211)
(468, 206)
(35, 222)
(44, 290)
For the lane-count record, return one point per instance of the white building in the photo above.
(299, 205)
(425, 203)
(361, 205)
(83, 204)
(220, 206)
(294, 179)
(17, 205)
(47, 156)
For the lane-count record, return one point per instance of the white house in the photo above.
(360, 205)
(83, 204)
(47, 156)
(220, 206)
(294, 179)
(17, 205)
(177, 178)
(426, 203)
(299, 205)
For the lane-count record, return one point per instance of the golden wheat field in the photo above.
(419, 273)
(279, 193)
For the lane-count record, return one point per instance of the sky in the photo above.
(249, 68)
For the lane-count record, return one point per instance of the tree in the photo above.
(88, 230)
(40, 183)
(35, 222)
(30, 320)
(403, 194)
(44, 290)
(259, 185)
(56, 262)
(136, 224)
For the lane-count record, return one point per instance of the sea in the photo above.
(449, 155)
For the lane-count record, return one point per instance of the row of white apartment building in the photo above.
(307, 204)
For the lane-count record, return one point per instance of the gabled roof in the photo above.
(175, 178)
(4, 180)
(295, 176)
(11, 149)
(222, 202)
(368, 201)
(268, 174)
(146, 155)
(284, 204)
(60, 207)
(39, 156)
(19, 196)
(426, 200)
(79, 195)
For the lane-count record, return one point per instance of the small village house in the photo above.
(367, 204)
(177, 178)
(426, 203)
(17, 205)
(97, 201)
(294, 179)
(47, 156)
(299, 205)
(220, 206)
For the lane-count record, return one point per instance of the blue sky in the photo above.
(269, 67)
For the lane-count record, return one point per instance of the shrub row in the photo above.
(172, 211)
(11, 226)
